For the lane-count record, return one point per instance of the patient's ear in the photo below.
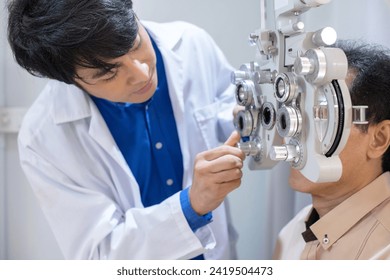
(380, 139)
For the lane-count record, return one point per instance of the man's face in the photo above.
(354, 161)
(134, 80)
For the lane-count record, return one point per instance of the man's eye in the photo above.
(112, 77)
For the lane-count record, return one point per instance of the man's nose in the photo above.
(138, 72)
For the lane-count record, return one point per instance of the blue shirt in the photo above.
(146, 134)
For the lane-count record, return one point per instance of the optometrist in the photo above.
(122, 147)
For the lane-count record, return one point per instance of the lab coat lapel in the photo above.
(174, 72)
(73, 104)
(99, 131)
(167, 41)
(101, 134)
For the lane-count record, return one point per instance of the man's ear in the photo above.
(380, 139)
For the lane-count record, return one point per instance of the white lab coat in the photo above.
(87, 191)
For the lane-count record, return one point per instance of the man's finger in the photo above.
(225, 162)
(233, 139)
(222, 151)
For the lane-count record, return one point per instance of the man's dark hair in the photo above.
(50, 38)
(371, 85)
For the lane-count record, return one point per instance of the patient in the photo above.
(350, 218)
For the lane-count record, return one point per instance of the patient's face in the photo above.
(354, 161)
(353, 158)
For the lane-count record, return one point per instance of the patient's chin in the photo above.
(299, 182)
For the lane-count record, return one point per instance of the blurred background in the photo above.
(264, 202)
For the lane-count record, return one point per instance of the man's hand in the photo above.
(217, 172)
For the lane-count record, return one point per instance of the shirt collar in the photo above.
(337, 222)
(312, 218)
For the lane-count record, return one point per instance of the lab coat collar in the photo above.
(70, 103)
(167, 40)
(73, 104)
(163, 36)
